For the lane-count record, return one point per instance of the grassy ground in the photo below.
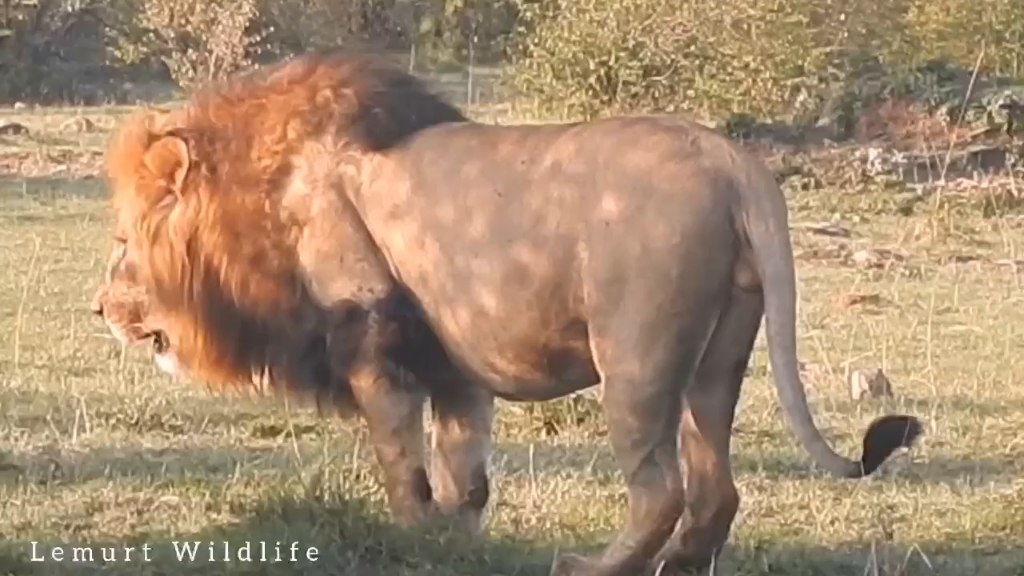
(96, 448)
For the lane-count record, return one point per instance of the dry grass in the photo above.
(97, 448)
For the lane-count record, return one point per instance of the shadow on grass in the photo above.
(598, 461)
(349, 538)
(354, 536)
(593, 460)
(776, 453)
(343, 538)
(214, 464)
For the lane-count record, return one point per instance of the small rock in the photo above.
(20, 105)
(77, 124)
(876, 258)
(13, 129)
(865, 258)
(851, 299)
(869, 383)
(829, 229)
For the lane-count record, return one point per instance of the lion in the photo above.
(327, 226)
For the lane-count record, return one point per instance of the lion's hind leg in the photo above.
(645, 362)
(704, 438)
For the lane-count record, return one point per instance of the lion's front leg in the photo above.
(461, 445)
(394, 417)
(390, 402)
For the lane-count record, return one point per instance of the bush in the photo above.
(766, 58)
(805, 61)
(293, 26)
(197, 40)
(450, 30)
(581, 57)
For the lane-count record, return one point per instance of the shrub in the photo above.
(198, 40)
(293, 26)
(805, 61)
(449, 30)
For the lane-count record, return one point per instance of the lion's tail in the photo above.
(766, 219)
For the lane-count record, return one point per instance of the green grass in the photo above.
(97, 448)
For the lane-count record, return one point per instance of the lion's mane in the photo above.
(218, 258)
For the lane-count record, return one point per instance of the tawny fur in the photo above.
(328, 225)
(246, 312)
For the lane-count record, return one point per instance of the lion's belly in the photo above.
(529, 362)
(532, 368)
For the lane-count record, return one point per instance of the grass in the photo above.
(98, 449)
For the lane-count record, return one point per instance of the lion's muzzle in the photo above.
(96, 305)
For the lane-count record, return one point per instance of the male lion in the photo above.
(328, 226)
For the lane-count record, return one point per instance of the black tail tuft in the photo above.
(884, 436)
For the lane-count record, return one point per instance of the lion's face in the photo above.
(123, 303)
(125, 300)
(203, 266)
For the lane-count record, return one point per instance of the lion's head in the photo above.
(204, 264)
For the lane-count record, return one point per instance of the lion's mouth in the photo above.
(162, 353)
(161, 344)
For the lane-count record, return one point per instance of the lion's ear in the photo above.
(168, 159)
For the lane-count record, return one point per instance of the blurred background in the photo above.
(809, 63)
